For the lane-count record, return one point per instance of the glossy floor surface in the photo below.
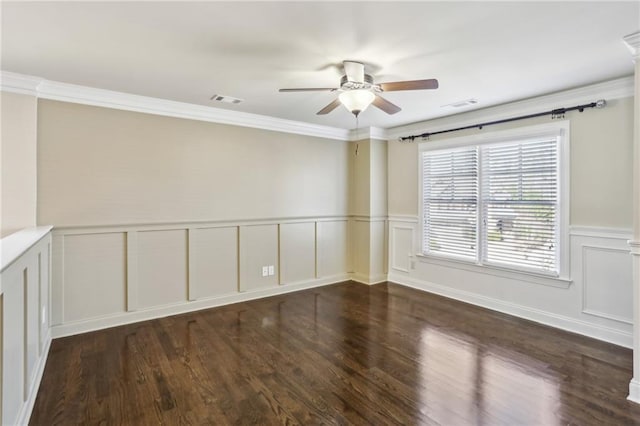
(341, 354)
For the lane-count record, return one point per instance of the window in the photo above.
(499, 201)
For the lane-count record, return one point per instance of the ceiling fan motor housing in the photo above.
(367, 84)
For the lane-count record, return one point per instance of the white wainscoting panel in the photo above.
(603, 266)
(333, 248)
(401, 246)
(258, 248)
(378, 247)
(213, 262)
(297, 252)
(597, 301)
(95, 275)
(361, 235)
(25, 337)
(162, 268)
(113, 275)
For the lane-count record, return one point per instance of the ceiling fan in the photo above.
(358, 90)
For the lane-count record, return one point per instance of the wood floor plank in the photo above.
(340, 354)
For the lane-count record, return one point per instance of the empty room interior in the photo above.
(320, 213)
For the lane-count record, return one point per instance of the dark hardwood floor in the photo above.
(341, 354)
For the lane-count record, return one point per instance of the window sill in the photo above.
(530, 277)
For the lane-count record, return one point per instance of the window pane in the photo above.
(520, 204)
(450, 197)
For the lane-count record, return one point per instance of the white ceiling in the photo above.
(495, 52)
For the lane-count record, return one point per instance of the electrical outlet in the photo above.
(265, 271)
(272, 270)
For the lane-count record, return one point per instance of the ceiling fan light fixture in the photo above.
(356, 101)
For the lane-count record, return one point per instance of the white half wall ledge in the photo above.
(15, 245)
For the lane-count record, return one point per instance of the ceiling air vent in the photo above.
(460, 104)
(226, 99)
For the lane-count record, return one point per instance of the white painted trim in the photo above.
(609, 90)
(634, 247)
(632, 41)
(393, 262)
(27, 407)
(15, 245)
(132, 271)
(634, 391)
(585, 283)
(600, 232)
(370, 218)
(123, 318)
(369, 280)
(403, 218)
(46, 89)
(368, 133)
(19, 83)
(165, 226)
(573, 325)
(513, 274)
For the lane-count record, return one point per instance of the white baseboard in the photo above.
(634, 391)
(25, 412)
(558, 321)
(369, 280)
(123, 318)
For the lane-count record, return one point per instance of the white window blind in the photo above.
(520, 204)
(450, 197)
(494, 204)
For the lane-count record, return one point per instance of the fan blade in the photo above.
(409, 85)
(326, 110)
(385, 105)
(354, 71)
(309, 89)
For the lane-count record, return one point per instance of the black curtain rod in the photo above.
(558, 112)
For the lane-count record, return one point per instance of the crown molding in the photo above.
(46, 89)
(368, 133)
(19, 83)
(608, 90)
(633, 43)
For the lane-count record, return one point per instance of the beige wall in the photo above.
(18, 162)
(100, 166)
(601, 165)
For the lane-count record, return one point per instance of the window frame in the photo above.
(559, 129)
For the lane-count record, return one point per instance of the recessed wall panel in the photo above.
(162, 267)
(332, 248)
(607, 283)
(94, 275)
(297, 252)
(213, 256)
(258, 248)
(402, 241)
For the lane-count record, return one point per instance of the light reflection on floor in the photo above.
(499, 385)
